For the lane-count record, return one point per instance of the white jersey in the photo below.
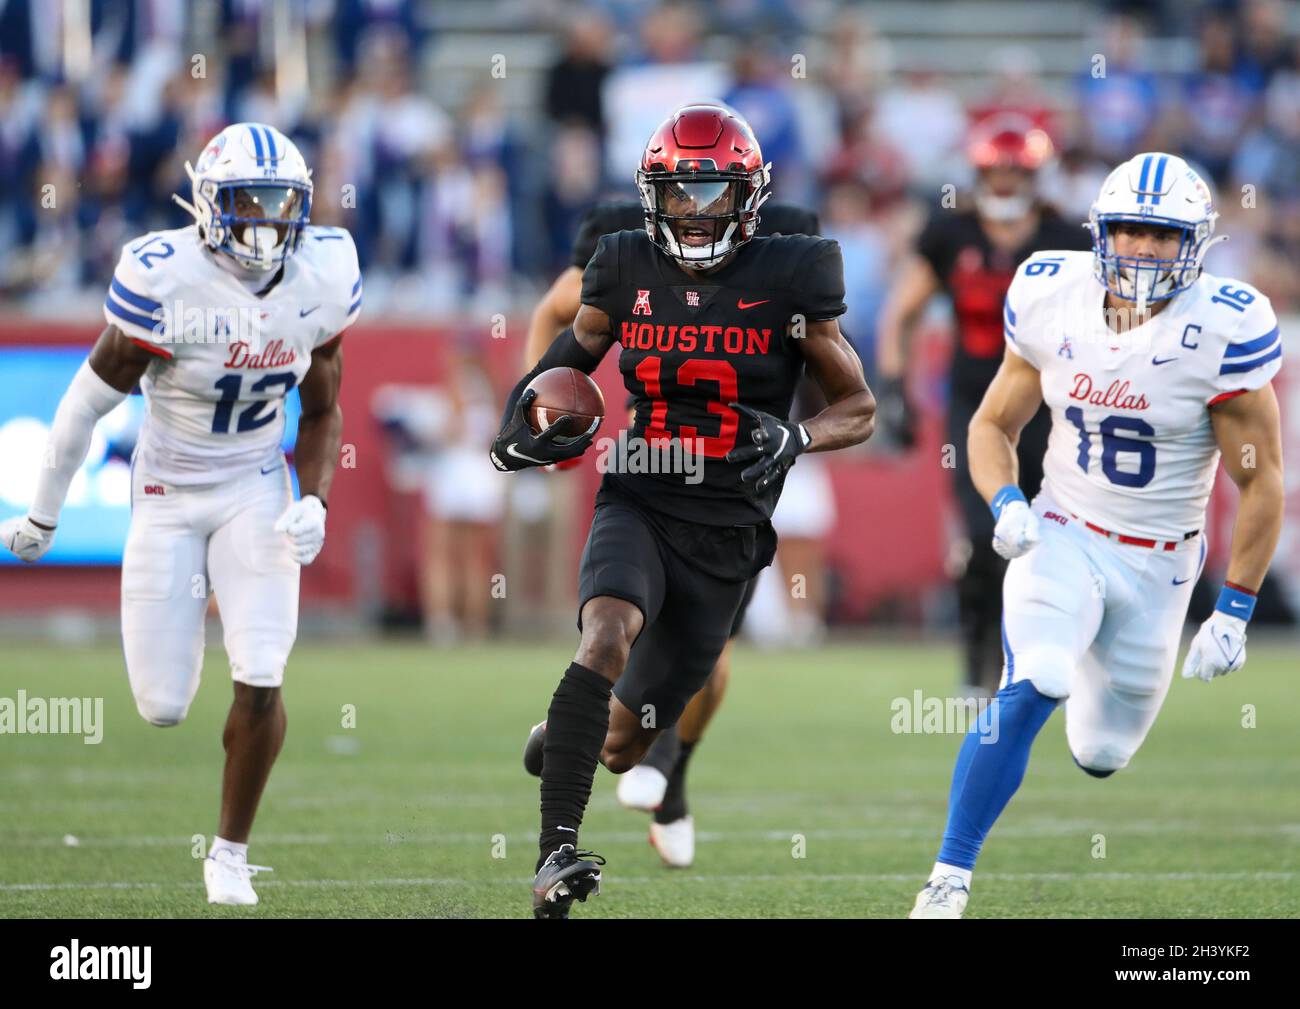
(226, 357)
(1132, 448)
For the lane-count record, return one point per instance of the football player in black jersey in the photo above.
(658, 784)
(971, 253)
(715, 328)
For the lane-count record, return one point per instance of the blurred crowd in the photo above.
(461, 142)
(101, 103)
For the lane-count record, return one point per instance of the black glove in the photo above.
(777, 443)
(894, 416)
(516, 447)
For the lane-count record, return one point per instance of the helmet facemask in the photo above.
(701, 217)
(1145, 280)
(260, 223)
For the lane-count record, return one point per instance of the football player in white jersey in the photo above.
(216, 323)
(1153, 370)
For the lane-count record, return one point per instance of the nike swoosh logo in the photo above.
(270, 469)
(511, 450)
(1236, 605)
(303, 314)
(785, 437)
(1181, 581)
(1164, 360)
(742, 304)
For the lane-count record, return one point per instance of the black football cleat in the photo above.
(533, 749)
(566, 875)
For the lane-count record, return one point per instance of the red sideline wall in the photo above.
(890, 538)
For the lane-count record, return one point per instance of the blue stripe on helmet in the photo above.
(1142, 180)
(1160, 178)
(257, 146)
(270, 146)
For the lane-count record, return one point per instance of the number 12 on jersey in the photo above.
(251, 417)
(1113, 441)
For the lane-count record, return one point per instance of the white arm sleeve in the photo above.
(88, 399)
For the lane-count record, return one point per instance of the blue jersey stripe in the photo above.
(1006, 310)
(143, 321)
(1232, 369)
(1254, 346)
(129, 297)
(257, 145)
(357, 286)
(355, 305)
(1008, 334)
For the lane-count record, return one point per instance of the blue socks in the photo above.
(988, 773)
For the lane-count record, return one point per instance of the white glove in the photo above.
(1017, 530)
(1219, 648)
(304, 523)
(26, 540)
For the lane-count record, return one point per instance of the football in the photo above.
(562, 391)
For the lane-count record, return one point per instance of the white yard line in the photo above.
(865, 877)
(1045, 828)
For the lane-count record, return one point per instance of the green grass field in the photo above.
(403, 814)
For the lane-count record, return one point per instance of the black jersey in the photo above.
(607, 218)
(976, 276)
(691, 344)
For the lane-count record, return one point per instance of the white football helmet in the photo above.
(252, 195)
(1157, 189)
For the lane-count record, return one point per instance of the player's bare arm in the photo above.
(849, 417)
(553, 313)
(118, 360)
(916, 285)
(1248, 431)
(320, 428)
(1010, 403)
(320, 433)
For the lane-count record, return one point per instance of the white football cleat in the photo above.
(642, 788)
(229, 876)
(943, 897)
(675, 842)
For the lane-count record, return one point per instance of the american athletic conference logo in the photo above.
(642, 306)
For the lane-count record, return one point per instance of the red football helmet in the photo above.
(1006, 151)
(702, 179)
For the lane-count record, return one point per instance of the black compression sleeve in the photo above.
(564, 352)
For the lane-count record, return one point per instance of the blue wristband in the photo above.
(1236, 602)
(1004, 497)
